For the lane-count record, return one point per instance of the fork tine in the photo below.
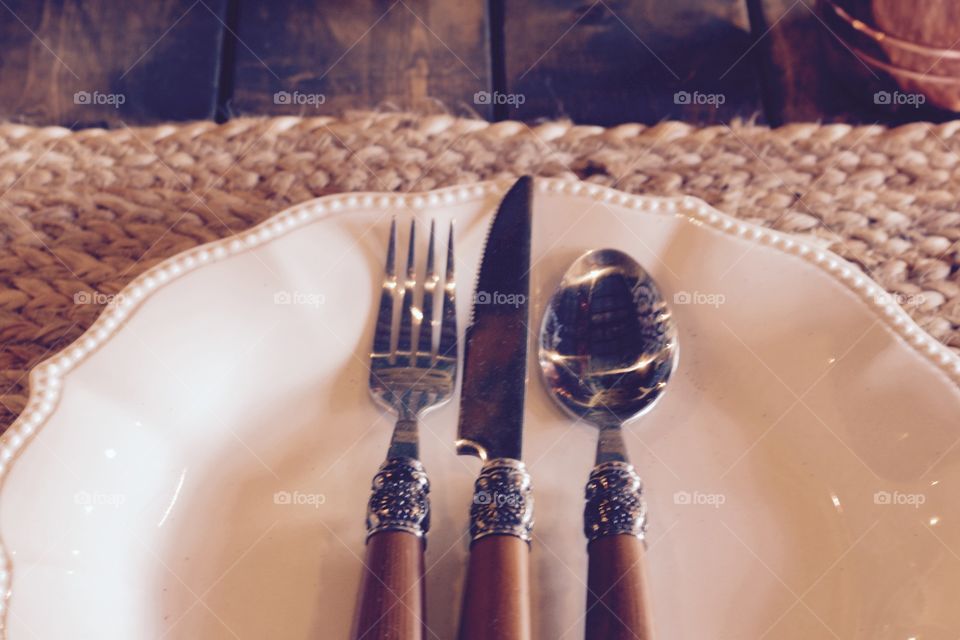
(448, 326)
(384, 330)
(425, 342)
(408, 310)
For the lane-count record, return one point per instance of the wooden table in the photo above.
(606, 62)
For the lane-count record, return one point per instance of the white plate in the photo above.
(801, 471)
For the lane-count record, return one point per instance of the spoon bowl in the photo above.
(608, 343)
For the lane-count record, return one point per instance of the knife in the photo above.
(496, 602)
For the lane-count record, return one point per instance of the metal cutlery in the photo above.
(413, 367)
(496, 602)
(608, 346)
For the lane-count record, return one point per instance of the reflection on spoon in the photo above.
(608, 346)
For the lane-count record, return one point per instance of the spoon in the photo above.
(608, 345)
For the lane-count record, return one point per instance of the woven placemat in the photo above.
(82, 213)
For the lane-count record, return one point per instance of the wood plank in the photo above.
(615, 61)
(810, 71)
(101, 63)
(301, 57)
(793, 86)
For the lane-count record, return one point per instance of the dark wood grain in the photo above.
(617, 61)
(618, 604)
(329, 57)
(152, 62)
(810, 70)
(604, 62)
(496, 600)
(911, 42)
(796, 49)
(927, 22)
(391, 598)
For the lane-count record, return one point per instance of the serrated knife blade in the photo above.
(495, 356)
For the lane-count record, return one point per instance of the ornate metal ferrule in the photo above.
(615, 502)
(502, 501)
(399, 501)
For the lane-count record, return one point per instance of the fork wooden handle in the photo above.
(615, 518)
(496, 601)
(392, 594)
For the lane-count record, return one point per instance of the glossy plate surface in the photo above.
(197, 465)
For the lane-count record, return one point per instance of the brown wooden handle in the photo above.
(496, 601)
(618, 606)
(391, 600)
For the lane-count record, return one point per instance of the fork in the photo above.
(408, 380)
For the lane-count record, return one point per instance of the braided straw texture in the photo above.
(82, 213)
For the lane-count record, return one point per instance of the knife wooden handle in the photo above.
(496, 601)
(615, 519)
(618, 605)
(392, 595)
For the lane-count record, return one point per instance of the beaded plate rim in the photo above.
(46, 378)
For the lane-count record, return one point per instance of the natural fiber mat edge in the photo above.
(82, 213)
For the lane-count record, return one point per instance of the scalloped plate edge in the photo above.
(46, 378)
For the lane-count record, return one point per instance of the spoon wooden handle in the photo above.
(618, 605)
(391, 602)
(392, 589)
